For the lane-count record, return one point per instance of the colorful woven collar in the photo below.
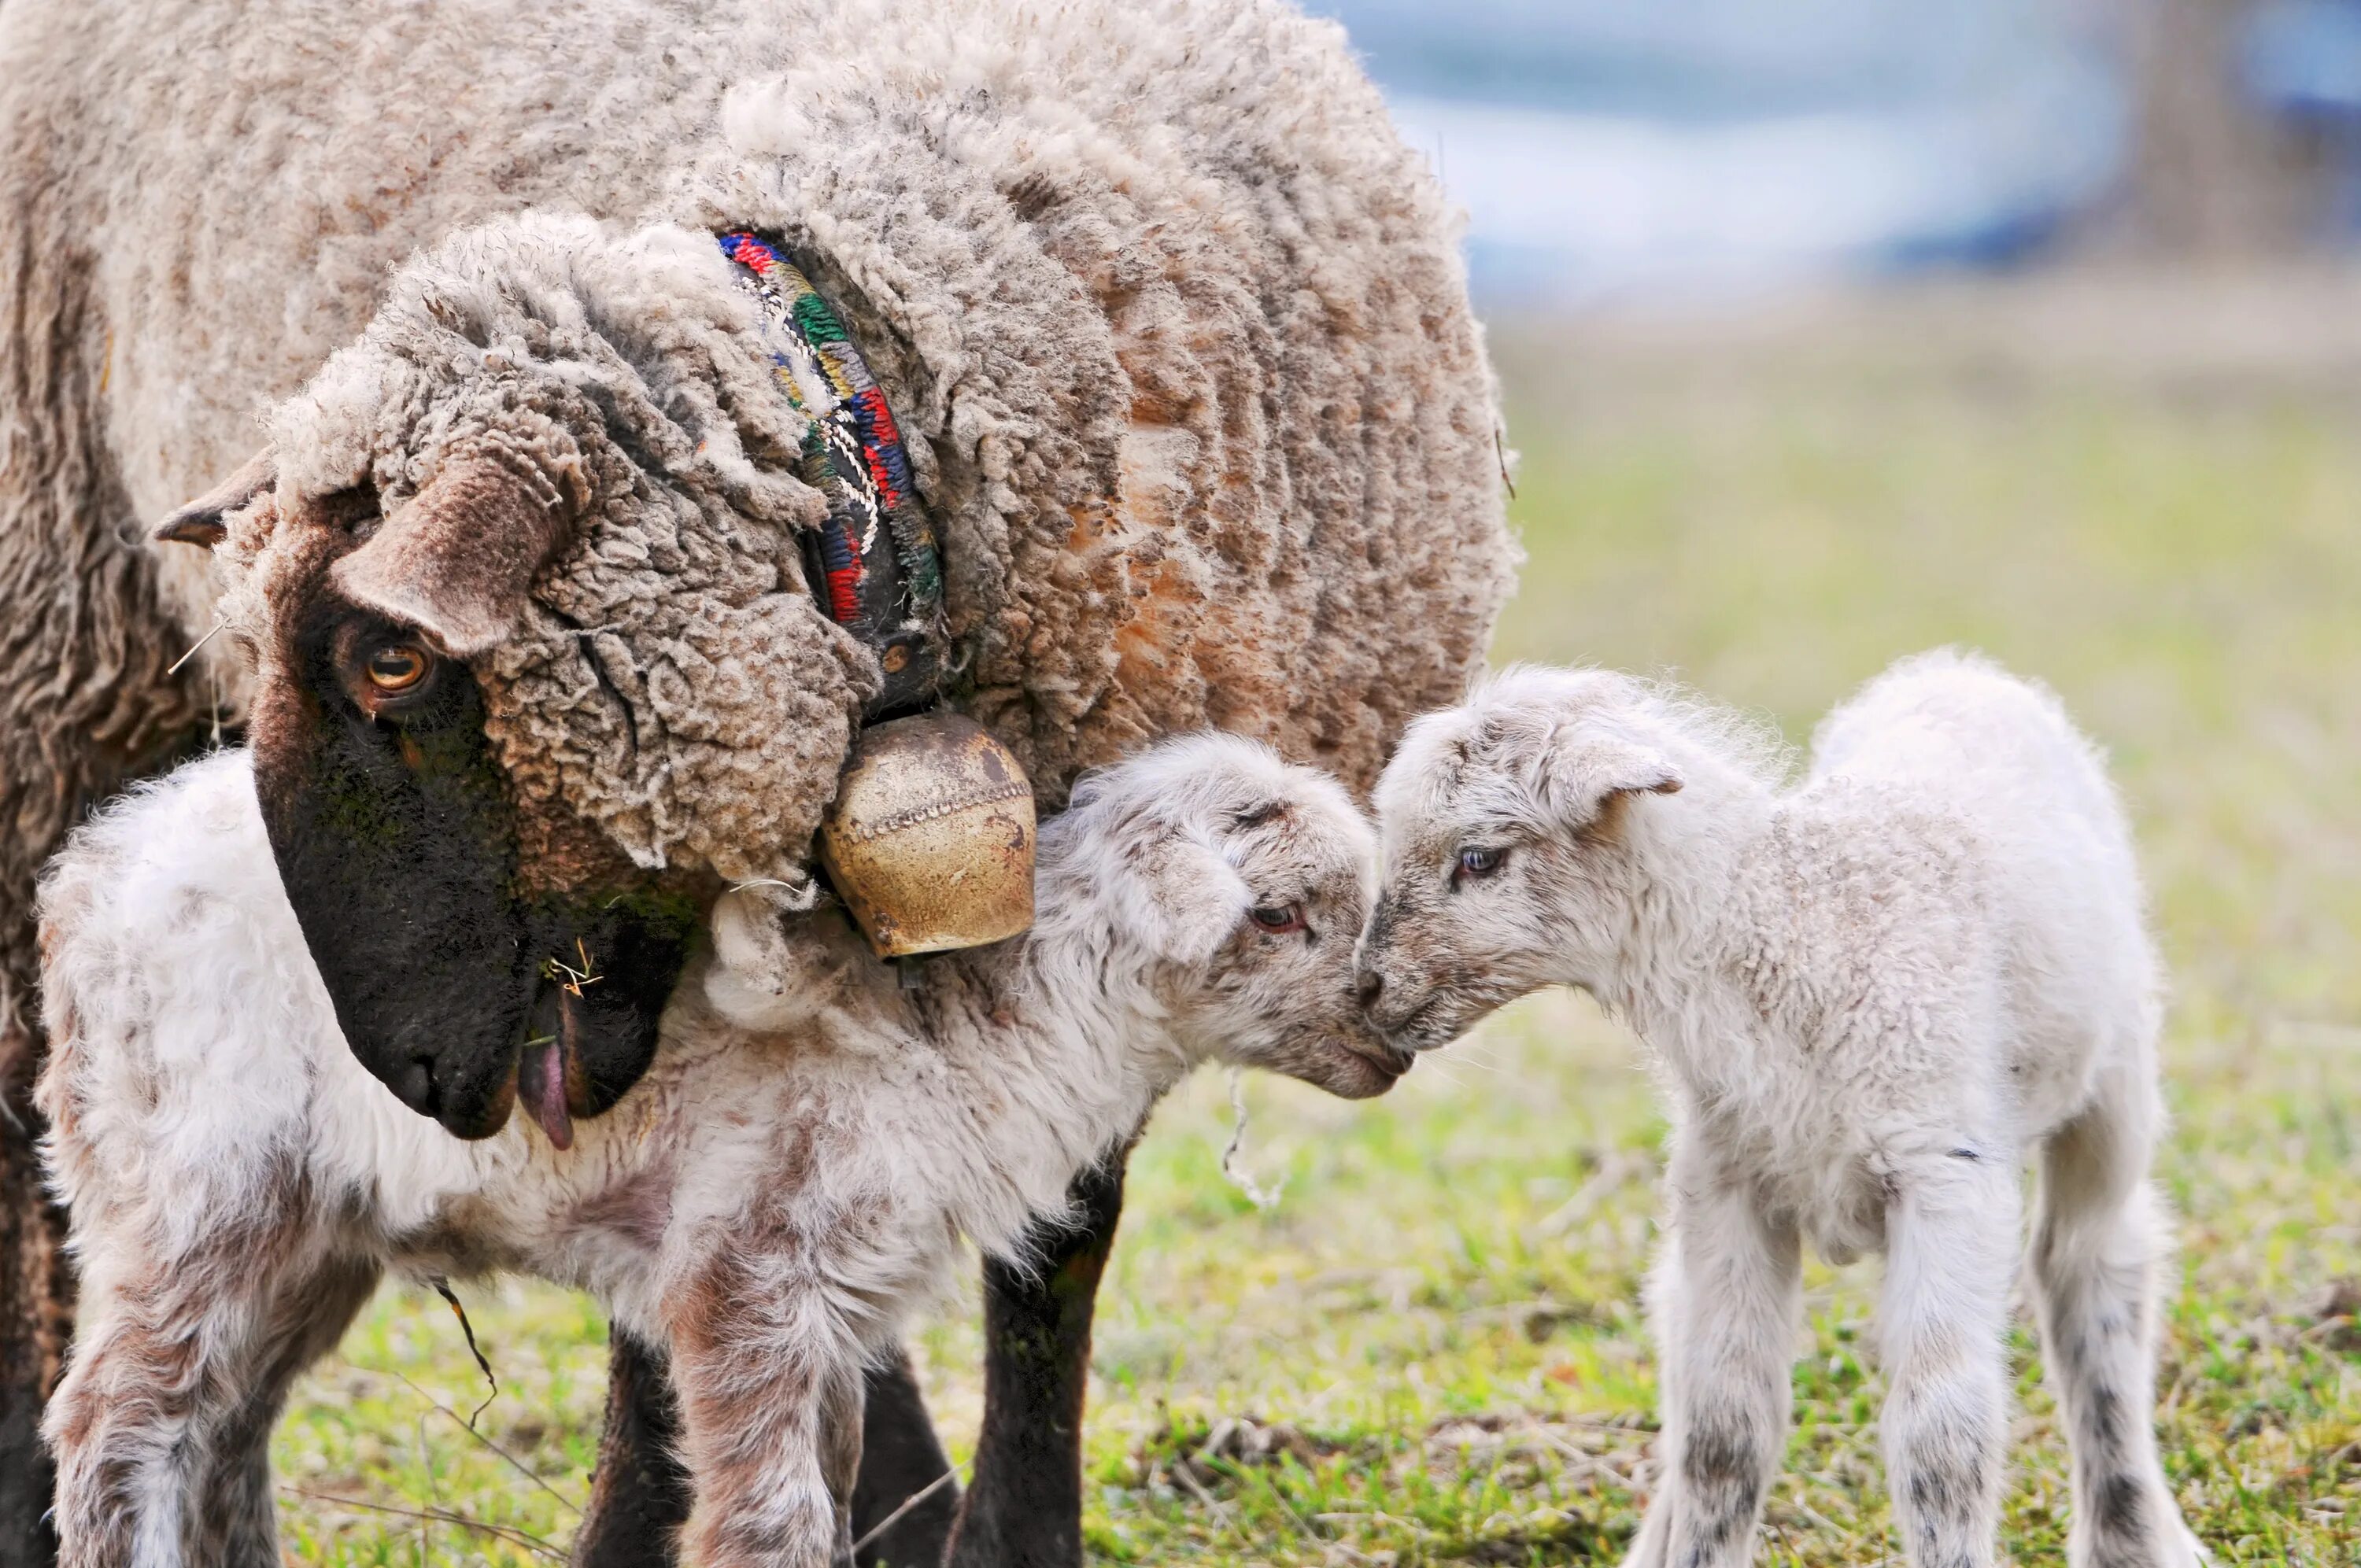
(874, 566)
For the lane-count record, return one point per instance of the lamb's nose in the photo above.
(1369, 987)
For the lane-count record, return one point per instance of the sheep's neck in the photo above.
(1676, 977)
(1075, 1005)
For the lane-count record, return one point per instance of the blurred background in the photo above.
(1828, 331)
(1619, 150)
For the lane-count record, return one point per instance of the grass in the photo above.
(1430, 1352)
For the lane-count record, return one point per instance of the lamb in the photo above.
(1871, 996)
(1171, 322)
(768, 1202)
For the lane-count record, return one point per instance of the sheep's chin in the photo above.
(1351, 1070)
(1442, 1017)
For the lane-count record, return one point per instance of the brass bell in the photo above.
(929, 842)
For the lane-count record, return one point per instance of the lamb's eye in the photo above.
(1279, 919)
(396, 667)
(1476, 864)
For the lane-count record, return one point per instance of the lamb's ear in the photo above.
(1582, 769)
(456, 560)
(1177, 898)
(199, 522)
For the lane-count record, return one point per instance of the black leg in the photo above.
(36, 1315)
(1024, 1506)
(640, 1497)
(900, 1458)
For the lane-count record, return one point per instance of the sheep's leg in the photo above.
(640, 1493)
(1024, 1505)
(36, 1281)
(1951, 1241)
(900, 1458)
(2097, 1240)
(1724, 1296)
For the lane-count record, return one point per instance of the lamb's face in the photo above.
(535, 671)
(1508, 861)
(1246, 881)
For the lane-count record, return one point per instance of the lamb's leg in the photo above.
(161, 1424)
(640, 1497)
(1725, 1297)
(126, 1482)
(839, 1453)
(764, 1369)
(2096, 1243)
(238, 1524)
(1951, 1245)
(1023, 1506)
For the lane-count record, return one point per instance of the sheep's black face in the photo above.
(397, 840)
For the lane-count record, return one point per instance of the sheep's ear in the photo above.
(1582, 769)
(199, 522)
(1177, 898)
(455, 561)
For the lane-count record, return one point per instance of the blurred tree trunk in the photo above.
(2211, 175)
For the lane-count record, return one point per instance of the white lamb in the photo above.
(1872, 997)
(782, 1187)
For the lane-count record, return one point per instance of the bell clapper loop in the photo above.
(910, 971)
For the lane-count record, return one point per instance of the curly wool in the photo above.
(669, 669)
(1173, 325)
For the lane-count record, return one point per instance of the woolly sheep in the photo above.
(767, 1201)
(1172, 323)
(1871, 996)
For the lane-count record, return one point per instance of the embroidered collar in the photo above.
(874, 564)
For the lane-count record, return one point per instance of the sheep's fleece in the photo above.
(1174, 323)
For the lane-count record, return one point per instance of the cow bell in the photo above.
(930, 840)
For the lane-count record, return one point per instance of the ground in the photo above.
(1428, 1350)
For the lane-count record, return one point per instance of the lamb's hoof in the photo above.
(1651, 1547)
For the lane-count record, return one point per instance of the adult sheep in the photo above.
(1169, 320)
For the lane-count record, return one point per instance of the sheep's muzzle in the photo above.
(458, 983)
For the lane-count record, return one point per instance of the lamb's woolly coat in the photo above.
(768, 1201)
(1173, 317)
(1873, 997)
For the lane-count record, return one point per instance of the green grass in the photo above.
(1430, 1350)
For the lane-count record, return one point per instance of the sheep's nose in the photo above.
(1369, 987)
(413, 1085)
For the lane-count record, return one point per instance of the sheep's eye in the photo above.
(396, 667)
(1476, 864)
(1279, 919)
